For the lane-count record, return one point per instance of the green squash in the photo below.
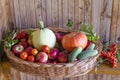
(43, 36)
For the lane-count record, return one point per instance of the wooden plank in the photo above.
(77, 9)
(32, 13)
(85, 77)
(118, 27)
(114, 77)
(5, 14)
(55, 78)
(0, 21)
(54, 13)
(17, 13)
(12, 10)
(38, 9)
(60, 13)
(23, 13)
(44, 12)
(113, 28)
(71, 10)
(49, 12)
(88, 11)
(105, 19)
(65, 12)
(96, 9)
(80, 17)
(108, 77)
(91, 77)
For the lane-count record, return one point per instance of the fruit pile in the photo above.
(110, 55)
(45, 46)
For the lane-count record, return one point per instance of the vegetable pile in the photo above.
(46, 46)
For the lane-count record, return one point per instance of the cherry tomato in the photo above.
(24, 55)
(45, 49)
(34, 51)
(31, 58)
(23, 40)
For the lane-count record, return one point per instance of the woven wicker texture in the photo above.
(54, 70)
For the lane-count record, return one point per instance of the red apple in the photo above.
(24, 44)
(17, 49)
(62, 57)
(58, 37)
(42, 57)
(23, 40)
(28, 50)
(53, 54)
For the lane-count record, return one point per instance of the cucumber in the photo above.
(87, 53)
(91, 46)
(73, 55)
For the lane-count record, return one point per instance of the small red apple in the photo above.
(58, 37)
(42, 57)
(23, 40)
(28, 50)
(17, 49)
(62, 57)
(24, 44)
(53, 53)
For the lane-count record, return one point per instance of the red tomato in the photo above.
(34, 51)
(45, 49)
(31, 58)
(24, 55)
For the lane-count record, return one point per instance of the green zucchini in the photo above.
(87, 53)
(73, 55)
(91, 46)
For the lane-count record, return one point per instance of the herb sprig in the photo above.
(88, 30)
(10, 40)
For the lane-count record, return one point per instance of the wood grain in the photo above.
(49, 12)
(104, 15)
(105, 19)
(54, 13)
(38, 10)
(118, 27)
(113, 27)
(65, 12)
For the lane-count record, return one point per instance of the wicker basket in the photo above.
(54, 70)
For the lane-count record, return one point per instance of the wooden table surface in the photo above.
(103, 72)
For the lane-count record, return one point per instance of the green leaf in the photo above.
(10, 40)
(30, 31)
(88, 31)
(118, 54)
(70, 24)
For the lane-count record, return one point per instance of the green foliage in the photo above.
(9, 40)
(118, 54)
(30, 31)
(88, 30)
(70, 24)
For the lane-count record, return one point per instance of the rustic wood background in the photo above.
(104, 15)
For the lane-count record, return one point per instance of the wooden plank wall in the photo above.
(5, 17)
(104, 15)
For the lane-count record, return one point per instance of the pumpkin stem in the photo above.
(41, 25)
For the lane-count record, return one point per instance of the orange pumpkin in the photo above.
(74, 39)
